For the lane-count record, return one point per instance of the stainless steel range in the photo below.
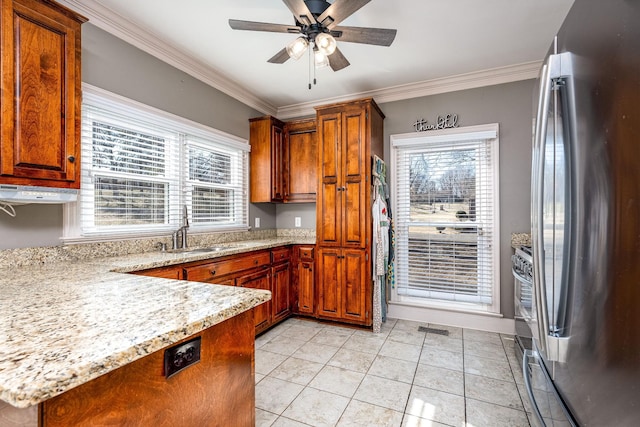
(522, 269)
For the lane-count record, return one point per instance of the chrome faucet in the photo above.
(181, 242)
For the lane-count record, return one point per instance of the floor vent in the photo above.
(433, 330)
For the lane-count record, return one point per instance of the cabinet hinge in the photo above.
(366, 257)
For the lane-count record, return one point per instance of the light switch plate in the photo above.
(257, 222)
(298, 221)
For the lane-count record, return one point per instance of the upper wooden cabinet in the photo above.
(41, 94)
(300, 154)
(267, 145)
(348, 134)
(283, 160)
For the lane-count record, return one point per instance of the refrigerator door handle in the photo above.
(538, 205)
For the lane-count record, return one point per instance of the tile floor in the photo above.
(318, 374)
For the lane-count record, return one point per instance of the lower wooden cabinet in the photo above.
(281, 290)
(342, 286)
(259, 280)
(304, 297)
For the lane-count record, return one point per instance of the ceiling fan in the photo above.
(317, 23)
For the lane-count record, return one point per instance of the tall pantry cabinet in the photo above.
(348, 135)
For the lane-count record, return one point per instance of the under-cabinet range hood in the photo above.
(22, 194)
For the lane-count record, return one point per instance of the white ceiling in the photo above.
(441, 45)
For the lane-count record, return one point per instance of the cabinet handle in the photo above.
(71, 159)
(213, 272)
(255, 261)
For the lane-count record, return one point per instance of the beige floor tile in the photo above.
(485, 349)
(337, 381)
(402, 351)
(407, 336)
(442, 379)
(443, 342)
(264, 418)
(441, 358)
(365, 343)
(317, 408)
(393, 369)
(352, 360)
(361, 414)
(413, 421)
(301, 332)
(283, 345)
(287, 422)
(334, 338)
(482, 336)
(498, 392)
(315, 352)
(275, 395)
(267, 361)
(409, 325)
(492, 368)
(383, 392)
(258, 378)
(436, 405)
(296, 370)
(487, 414)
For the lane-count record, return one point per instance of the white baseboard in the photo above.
(490, 323)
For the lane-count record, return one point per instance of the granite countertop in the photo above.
(63, 324)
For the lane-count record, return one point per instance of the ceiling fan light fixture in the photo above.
(320, 59)
(326, 43)
(297, 48)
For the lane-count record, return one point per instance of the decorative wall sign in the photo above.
(442, 122)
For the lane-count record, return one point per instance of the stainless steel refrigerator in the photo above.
(584, 368)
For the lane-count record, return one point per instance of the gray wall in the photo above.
(510, 105)
(113, 65)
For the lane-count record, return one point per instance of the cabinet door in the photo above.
(40, 129)
(329, 282)
(281, 291)
(171, 272)
(305, 287)
(329, 198)
(354, 288)
(300, 162)
(259, 280)
(354, 178)
(277, 173)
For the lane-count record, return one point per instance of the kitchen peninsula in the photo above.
(86, 342)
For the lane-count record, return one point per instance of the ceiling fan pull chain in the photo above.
(310, 65)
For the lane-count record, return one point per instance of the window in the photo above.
(446, 218)
(141, 165)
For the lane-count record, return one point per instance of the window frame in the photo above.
(440, 138)
(181, 130)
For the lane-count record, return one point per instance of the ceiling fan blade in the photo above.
(300, 11)
(376, 36)
(337, 61)
(280, 57)
(262, 26)
(339, 11)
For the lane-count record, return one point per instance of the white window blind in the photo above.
(446, 217)
(141, 165)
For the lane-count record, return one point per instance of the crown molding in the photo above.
(490, 77)
(145, 40)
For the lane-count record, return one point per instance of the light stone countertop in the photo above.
(63, 324)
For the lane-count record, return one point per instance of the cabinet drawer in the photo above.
(209, 271)
(280, 255)
(306, 252)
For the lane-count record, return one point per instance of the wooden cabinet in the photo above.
(41, 94)
(281, 283)
(225, 270)
(260, 279)
(343, 292)
(267, 148)
(300, 153)
(304, 281)
(170, 272)
(348, 135)
(216, 391)
(283, 160)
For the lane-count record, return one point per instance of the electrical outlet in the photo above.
(298, 221)
(257, 223)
